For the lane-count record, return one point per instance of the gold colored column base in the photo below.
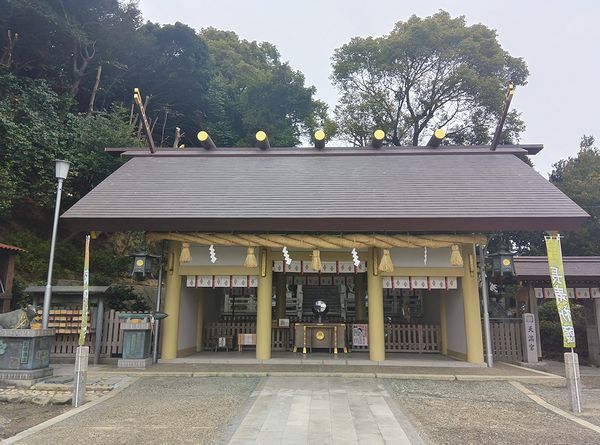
(303, 350)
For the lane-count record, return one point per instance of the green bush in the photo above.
(551, 331)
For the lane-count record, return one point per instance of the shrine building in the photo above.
(328, 249)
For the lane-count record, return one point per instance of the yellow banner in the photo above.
(559, 285)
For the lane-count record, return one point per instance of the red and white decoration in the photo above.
(334, 267)
(221, 281)
(578, 293)
(420, 282)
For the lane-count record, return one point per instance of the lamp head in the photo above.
(62, 169)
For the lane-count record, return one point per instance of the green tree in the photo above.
(63, 41)
(252, 89)
(36, 129)
(427, 73)
(579, 178)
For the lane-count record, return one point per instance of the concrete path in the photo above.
(325, 410)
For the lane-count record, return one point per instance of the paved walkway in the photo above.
(323, 411)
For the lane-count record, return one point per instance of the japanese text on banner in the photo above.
(557, 277)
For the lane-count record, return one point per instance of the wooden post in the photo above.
(170, 325)
(470, 290)
(263, 306)
(443, 324)
(280, 291)
(200, 326)
(360, 309)
(376, 324)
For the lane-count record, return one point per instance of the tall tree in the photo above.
(425, 74)
(579, 178)
(252, 89)
(63, 41)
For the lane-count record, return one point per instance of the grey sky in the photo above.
(557, 39)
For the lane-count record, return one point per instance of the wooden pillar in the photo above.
(200, 318)
(376, 324)
(8, 303)
(470, 291)
(170, 325)
(443, 324)
(263, 306)
(359, 298)
(280, 291)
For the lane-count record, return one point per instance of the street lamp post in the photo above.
(61, 172)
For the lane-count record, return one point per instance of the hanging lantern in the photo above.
(503, 265)
(142, 264)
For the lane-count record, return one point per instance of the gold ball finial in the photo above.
(319, 135)
(261, 136)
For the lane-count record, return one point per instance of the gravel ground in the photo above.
(156, 410)
(454, 412)
(559, 397)
(16, 417)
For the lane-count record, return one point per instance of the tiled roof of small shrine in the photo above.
(390, 189)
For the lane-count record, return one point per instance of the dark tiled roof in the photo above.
(535, 268)
(458, 189)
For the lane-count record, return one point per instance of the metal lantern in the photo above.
(142, 264)
(503, 265)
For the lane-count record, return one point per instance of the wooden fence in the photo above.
(507, 342)
(399, 337)
(412, 338)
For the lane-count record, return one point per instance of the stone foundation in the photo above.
(134, 362)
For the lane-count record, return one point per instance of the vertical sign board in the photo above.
(530, 342)
(557, 278)
(86, 291)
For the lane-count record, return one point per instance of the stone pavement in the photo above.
(324, 410)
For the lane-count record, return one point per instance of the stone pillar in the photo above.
(80, 378)
(573, 381)
(263, 306)
(470, 291)
(170, 325)
(533, 308)
(376, 323)
(280, 291)
(443, 324)
(200, 318)
(592, 309)
(360, 309)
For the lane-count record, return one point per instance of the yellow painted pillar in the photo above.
(200, 316)
(281, 289)
(443, 324)
(470, 290)
(263, 306)
(375, 292)
(360, 309)
(170, 325)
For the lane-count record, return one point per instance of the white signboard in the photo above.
(360, 335)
